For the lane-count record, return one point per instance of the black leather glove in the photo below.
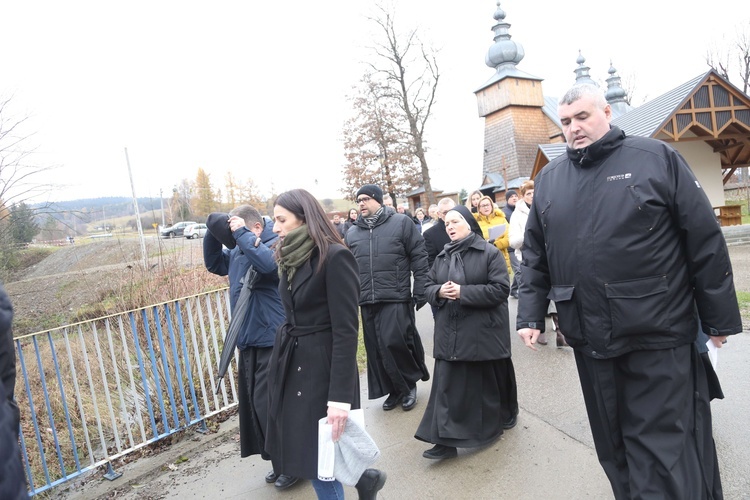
(418, 302)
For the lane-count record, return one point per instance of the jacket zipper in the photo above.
(372, 276)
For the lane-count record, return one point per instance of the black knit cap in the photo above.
(218, 226)
(372, 191)
(509, 194)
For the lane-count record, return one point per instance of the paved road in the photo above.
(548, 455)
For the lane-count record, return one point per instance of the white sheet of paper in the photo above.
(326, 450)
(496, 232)
(713, 354)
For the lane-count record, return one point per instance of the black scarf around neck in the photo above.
(456, 272)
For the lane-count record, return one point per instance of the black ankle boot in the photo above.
(371, 481)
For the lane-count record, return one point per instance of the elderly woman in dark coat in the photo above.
(473, 395)
(313, 372)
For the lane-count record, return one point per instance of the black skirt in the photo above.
(469, 402)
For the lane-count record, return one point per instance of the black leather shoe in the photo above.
(284, 482)
(392, 401)
(440, 451)
(371, 481)
(410, 399)
(271, 477)
(511, 422)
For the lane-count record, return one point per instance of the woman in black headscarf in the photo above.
(473, 395)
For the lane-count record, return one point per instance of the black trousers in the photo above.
(395, 355)
(651, 422)
(516, 266)
(253, 400)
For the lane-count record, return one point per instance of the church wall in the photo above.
(514, 134)
(509, 92)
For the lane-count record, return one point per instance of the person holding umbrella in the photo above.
(249, 262)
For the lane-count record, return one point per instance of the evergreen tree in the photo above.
(23, 226)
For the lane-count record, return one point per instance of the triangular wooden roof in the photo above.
(707, 108)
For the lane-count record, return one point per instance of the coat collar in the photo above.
(599, 150)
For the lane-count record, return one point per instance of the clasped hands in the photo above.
(450, 290)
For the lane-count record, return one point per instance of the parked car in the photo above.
(176, 230)
(195, 231)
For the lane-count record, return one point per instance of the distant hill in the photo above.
(79, 217)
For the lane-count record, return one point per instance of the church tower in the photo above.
(511, 103)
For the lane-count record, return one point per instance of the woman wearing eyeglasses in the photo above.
(489, 216)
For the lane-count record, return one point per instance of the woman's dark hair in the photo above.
(349, 214)
(306, 208)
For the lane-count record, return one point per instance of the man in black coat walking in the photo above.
(389, 249)
(631, 267)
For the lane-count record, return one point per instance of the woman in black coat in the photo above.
(313, 372)
(473, 395)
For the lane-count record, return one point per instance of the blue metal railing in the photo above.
(97, 390)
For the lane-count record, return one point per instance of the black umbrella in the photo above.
(235, 324)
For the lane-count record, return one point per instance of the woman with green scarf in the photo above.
(473, 397)
(313, 372)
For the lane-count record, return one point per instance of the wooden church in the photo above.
(706, 119)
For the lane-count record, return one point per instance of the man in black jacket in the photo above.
(624, 240)
(389, 249)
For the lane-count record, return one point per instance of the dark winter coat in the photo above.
(480, 330)
(435, 239)
(265, 312)
(624, 240)
(314, 359)
(387, 255)
(12, 479)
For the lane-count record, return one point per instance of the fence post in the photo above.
(111, 474)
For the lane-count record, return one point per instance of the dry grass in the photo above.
(90, 369)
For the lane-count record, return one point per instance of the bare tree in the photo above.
(378, 150)
(732, 57)
(630, 86)
(410, 71)
(20, 179)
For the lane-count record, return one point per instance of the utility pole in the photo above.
(161, 201)
(144, 255)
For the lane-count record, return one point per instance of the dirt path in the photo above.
(49, 293)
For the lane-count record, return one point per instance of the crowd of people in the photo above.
(466, 261)
(627, 290)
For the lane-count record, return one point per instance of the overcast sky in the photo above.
(259, 88)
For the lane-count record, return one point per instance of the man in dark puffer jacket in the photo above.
(389, 248)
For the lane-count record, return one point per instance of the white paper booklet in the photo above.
(496, 232)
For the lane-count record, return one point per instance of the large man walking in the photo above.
(624, 240)
(389, 249)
